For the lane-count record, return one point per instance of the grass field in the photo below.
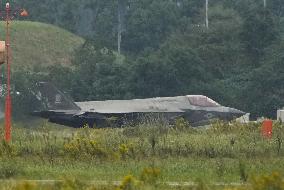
(149, 156)
(35, 44)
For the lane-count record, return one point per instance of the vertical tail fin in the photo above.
(54, 99)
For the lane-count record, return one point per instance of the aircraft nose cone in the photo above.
(236, 113)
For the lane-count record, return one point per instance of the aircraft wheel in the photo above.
(91, 124)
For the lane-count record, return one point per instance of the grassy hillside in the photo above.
(36, 43)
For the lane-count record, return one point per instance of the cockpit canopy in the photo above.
(202, 101)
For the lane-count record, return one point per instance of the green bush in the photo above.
(129, 182)
(274, 181)
(150, 175)
(10, 169)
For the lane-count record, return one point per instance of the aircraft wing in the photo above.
(150, 105)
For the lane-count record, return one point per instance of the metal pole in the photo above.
(119, 32)
(264, 3)
(206, 15)
(119, 26)
(8, 106)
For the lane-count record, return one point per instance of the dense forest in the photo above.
(147, 48)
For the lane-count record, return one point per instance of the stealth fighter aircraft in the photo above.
(196, 109)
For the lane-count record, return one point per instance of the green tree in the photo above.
(99, 74)
(259, 32)
(264, 92)
(148, 23)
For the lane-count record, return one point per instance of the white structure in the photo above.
(280, 115)
(206, 14)
(244, 118)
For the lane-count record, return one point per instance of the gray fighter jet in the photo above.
(196, 109)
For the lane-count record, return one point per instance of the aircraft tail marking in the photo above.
(54, 99)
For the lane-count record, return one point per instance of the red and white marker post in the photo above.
(8, 100)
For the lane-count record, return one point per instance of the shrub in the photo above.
(150, 175)
(8, 150)
(84, 147)
(220, 126)
(181, 124)
(26, 186)
(129, 183)
(269, 182)
(123, 150)
(9, 170)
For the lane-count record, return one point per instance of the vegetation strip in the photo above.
(116, 183)
(149, 153)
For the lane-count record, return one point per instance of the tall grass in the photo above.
(226, 152)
